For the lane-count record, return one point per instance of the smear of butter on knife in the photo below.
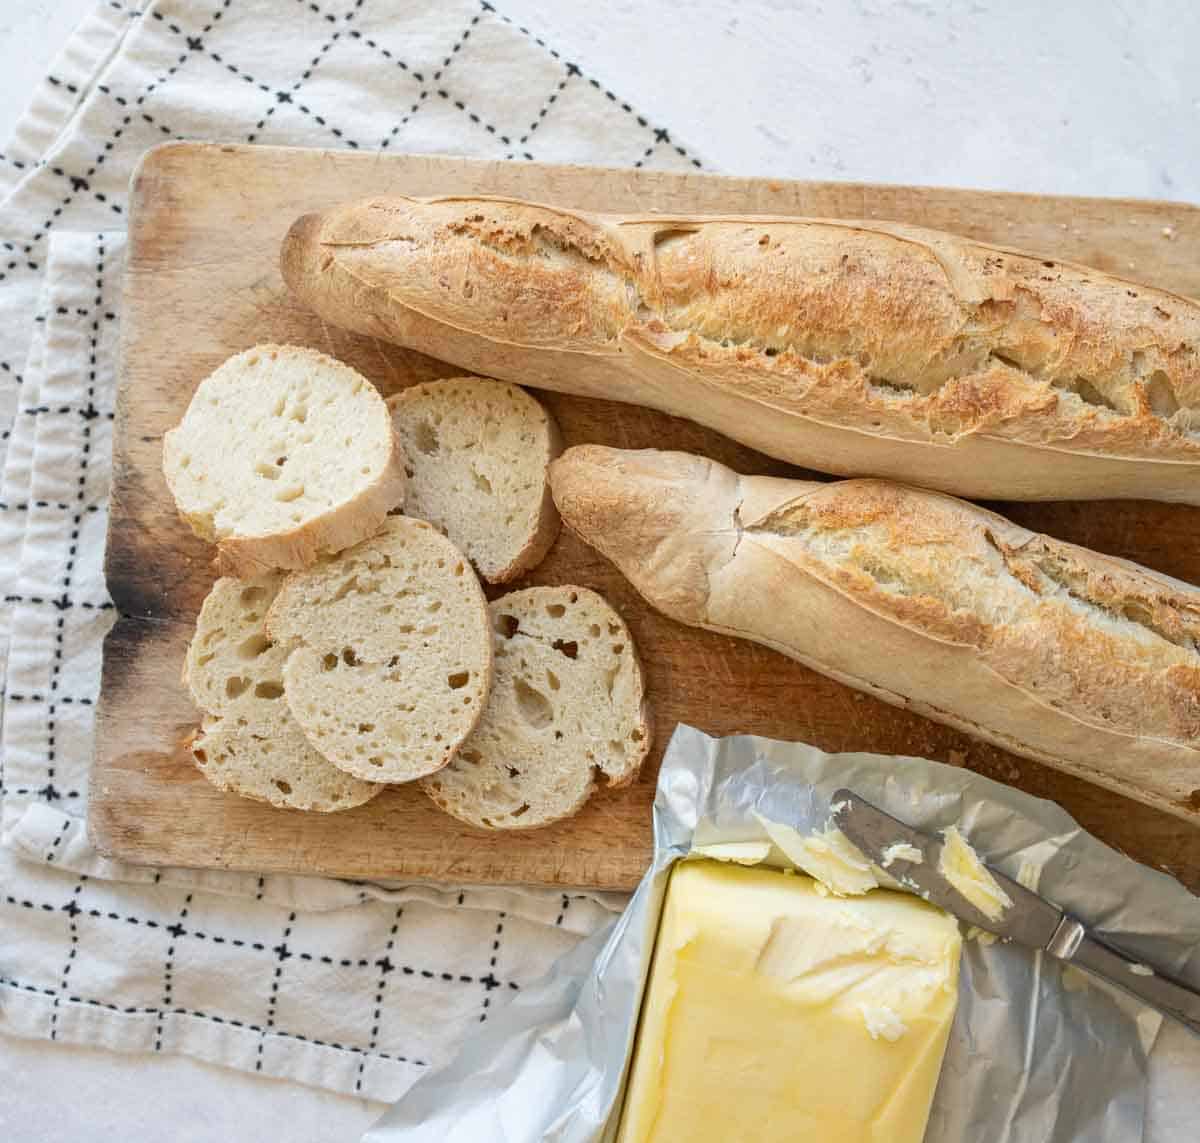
(902, 851)
(960, 865)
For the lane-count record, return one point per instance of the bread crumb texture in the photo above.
(280, 441)
(476, 454)
(567, 705)
(389, 652)
(249, 744)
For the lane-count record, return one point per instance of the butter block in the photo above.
(776, 1012)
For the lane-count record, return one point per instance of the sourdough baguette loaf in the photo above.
(860, 348)
(567, 706)
(476, 454)
(1083, 661)
(284, 454)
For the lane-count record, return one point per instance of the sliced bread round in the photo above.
(283, 454)
(477, 452)
(249, 744)
(390, 654)
(568, 701)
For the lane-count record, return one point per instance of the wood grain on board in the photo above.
(202, 282)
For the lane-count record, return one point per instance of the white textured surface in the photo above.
(1073, 97)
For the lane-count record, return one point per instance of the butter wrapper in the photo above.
(1039, 1053)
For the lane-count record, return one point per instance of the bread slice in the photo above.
(567, 700)
(249, 744)
(283, 454)
(477, 452)
(390, 654)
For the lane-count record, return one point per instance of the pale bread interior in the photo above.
(249, 743)
(476, 454)
(567, 704)
(390, 656)
(276, 438)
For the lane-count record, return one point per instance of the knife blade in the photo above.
(1029, 920)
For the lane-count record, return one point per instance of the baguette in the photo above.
(1080, 660)
(860, 348)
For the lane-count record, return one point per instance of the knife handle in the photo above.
(1073, 944)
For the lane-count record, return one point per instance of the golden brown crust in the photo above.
(781, 331)
(1087, 662)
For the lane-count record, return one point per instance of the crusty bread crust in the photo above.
(862, 348)
(1080, 660)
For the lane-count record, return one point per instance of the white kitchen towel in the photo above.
(343, 985)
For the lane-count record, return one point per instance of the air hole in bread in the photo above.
(236, 685)
(204, 660)
(513, 772)
(618, 648)
(282, 786)
(459, 569)
(557, 611)
(268, 690)
(349, 657)
(566, 647)
(618, 748)
(1161, 396)
(1088, 392)
(552, 679)
(328, 662)
(614, 629)
(458, 680)
(435, 605)
(365, 727)
(425, 437)
(482, 483)
(200, 755)
(375, 760)
(610, 678)
(533, 706)
(300, 414)
(292, 492)
(594, 630)
(251, 648)
(518, 812)
(636, 735)
(894, 388)
(270, 472)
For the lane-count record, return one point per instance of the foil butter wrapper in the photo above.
(1039, 1052)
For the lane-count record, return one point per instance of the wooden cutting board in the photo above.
(202, 283)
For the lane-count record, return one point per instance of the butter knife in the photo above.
(1030, 920)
